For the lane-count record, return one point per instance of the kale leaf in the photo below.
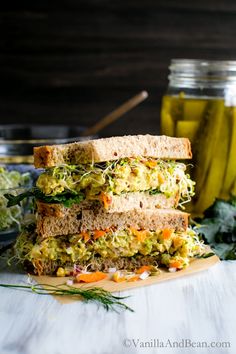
(218, 228)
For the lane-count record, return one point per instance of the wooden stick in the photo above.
(117, 113)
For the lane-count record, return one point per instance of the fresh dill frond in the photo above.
(98, 295)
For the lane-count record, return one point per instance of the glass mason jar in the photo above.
(200, 103)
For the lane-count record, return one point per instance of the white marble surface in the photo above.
(201, 307)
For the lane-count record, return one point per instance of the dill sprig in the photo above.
(98, 295)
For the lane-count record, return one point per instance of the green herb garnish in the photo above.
(98, 295)
(218, 228)
(206, 255)
(66, 198)
(154, 191)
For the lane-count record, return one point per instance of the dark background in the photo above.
(73, 61)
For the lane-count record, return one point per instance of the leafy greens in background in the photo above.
(218, 228)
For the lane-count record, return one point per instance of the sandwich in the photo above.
(119, 173)
(110, 203)
(126, 241)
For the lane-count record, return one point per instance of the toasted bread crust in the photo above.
(113, 148)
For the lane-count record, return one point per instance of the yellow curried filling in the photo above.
(172, 249)
(122, 176)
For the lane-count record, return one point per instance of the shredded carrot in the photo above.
(98, 233)
(143, 269)
(134, 278)
(90, 277)
(176, 264)
(85, 236)
(106, 199)
(166, 233)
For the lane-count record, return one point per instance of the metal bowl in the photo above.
(17, 141)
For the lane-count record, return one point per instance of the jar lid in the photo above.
(209, 73)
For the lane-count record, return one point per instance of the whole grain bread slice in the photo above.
(49, 266)
(113, 148)
(141, 201)
(119, 203)
(142, 220)
(77, 221)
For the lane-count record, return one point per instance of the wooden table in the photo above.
(197, 308)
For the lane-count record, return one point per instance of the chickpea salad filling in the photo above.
(100, 181)
(98, 249)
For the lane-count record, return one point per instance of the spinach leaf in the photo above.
(66, 198)
(154, 191)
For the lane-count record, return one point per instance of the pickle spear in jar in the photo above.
(187, 128)
(207, 140)
(217, 166)
(230, 173)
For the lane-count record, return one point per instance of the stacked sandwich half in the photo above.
(110, 203)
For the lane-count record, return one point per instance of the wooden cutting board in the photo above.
(195, 266)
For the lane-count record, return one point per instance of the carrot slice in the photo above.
(134, 278)
(143, 269)
(106, 199)
(98, 233)
(85, 236)
(176, 264)
(166, 233)
(91, 277)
